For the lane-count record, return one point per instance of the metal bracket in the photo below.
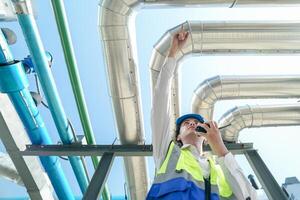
(118, 150)
(268, 182)
(97, 183)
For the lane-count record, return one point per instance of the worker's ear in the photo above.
(178, 137)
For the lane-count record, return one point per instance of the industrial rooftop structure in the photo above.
(33, 159)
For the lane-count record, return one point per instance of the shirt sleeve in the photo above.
(160, 113)
(234, 175)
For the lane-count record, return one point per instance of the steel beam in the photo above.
(268, 182)
(14, 138)
(118, 150)
(97, 183)
(88, 150)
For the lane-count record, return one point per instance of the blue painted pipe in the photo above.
(13, 81)
(37, 52)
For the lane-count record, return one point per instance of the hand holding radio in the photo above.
(210, 131)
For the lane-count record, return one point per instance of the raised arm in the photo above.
(160, 114)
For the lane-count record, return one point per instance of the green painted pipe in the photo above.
(65, 37)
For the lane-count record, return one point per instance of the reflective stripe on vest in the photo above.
(181, 163)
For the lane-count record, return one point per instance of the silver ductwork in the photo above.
(218, 38)
(8, 170)
(242, 87)
(124, 88)
(220, 3)
(115, 18)
(258, 116)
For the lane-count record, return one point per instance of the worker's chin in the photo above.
(187, 133)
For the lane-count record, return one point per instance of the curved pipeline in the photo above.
(124, 88)
(207, 38)
(242, 87)
(115, 17)
(218, 3)
(258, 116)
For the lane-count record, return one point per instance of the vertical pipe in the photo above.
(13, 82)
(65, 37)
(37, 51)
(66, 41)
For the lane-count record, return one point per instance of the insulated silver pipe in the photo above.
(115, 17)
(220, 3)
(258, 116)
(217, 38)
(124, 87)
(242, 87)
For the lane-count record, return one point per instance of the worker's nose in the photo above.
(193, 124)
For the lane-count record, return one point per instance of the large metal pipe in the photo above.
(242, 87)
(66, 41)
(258, 116)
(218, 3)
(212, 38)
(115, 17)
(13, 82)
(124, 88)
(37, 51)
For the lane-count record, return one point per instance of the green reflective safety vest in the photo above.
(182, 163)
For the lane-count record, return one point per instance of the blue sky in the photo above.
(274, 144)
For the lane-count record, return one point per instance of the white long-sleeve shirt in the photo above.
(162, 136)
